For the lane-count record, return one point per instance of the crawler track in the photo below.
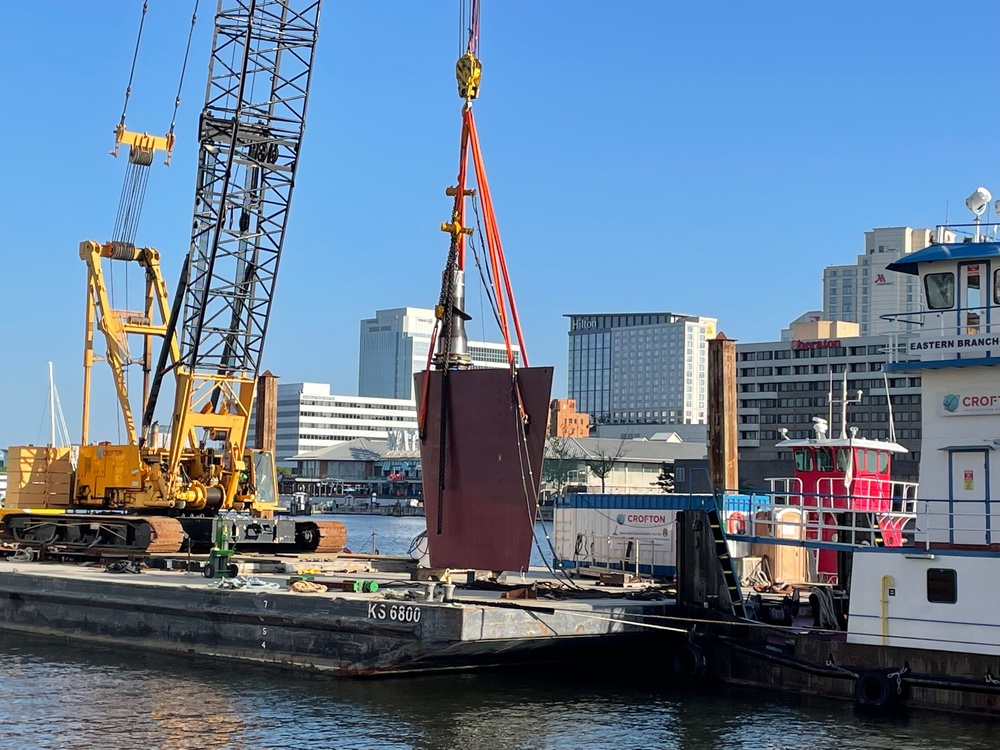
(102, 534)
(92, 534)
(328, 537)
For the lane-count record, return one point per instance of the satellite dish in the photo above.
(978, 201)
(996, 207)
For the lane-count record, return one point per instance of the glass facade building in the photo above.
(631, 368)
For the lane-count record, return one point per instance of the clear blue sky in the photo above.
(643, 156)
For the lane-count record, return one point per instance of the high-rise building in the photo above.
(640, 367)
(395, 344)
(865, 291)
(309, 417)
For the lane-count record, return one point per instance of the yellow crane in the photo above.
(159, 491)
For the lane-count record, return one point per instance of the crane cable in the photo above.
(133, 192)
(135, 56)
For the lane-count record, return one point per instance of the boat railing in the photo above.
(886, 517)
(831, 520)
(832, 492)
(967, 523)
(785, 490)
(970, 321)
(626, 554)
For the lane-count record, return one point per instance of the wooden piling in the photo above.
(723, 453)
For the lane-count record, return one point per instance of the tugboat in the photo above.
(918, 623)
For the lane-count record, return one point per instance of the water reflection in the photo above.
(61, 695)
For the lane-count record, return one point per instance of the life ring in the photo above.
(690, 662)
(874, 690)
(736, 523)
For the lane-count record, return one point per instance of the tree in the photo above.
(665, 479)
(559, 462)
(284, 471)
(603, 461)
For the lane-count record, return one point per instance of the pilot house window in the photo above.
(940, 289)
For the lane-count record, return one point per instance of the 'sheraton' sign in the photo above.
(961, 404)
(823, 344)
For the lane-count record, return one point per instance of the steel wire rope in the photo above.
(527, 482)
(135, 56)
(180, 83)
(484, 276)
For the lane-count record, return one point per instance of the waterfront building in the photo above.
(387, 468)
(865, 291)
(640, 368)
(689, 433)
(391, 467)
(630, 467)
(395, 344)
(786, 384)
(310, 417)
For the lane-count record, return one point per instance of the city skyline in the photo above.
(718, 183)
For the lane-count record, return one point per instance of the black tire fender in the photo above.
(874, 689)
(690, 661)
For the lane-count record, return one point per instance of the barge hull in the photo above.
(342, 634)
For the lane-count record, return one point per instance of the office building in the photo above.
(637, 368)
(309, 417)
(395, 344)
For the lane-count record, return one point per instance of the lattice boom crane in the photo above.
(211, 341)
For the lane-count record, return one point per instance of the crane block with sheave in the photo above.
(468, 71)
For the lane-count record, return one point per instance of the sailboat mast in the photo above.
(52, 409)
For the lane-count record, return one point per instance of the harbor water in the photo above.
(58, 694)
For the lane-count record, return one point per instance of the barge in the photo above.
(350, 616)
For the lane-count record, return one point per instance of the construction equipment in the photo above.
(161, 492)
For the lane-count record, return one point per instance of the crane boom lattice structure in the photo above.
(250, 135)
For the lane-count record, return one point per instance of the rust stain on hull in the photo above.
(485, 516)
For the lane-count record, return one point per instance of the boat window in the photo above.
(843, 457)
(940, 289)
(883, 462)
(824, 459)
(973, 301)
(803, 460)
(942, 585)
(859, 460)
(872, 460)
(996, 286)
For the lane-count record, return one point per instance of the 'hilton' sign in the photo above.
(584, 323)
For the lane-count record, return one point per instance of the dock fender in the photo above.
(875, 690)
(690, 661)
